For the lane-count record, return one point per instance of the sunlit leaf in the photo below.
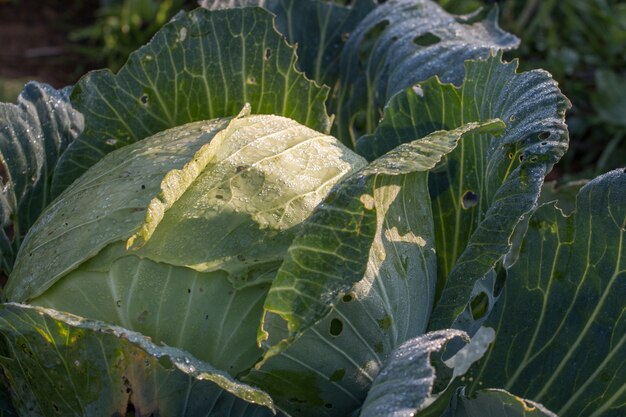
(203, 65)
(488, 183)
(357, 282)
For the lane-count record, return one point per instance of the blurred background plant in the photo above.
(121, 26)
(581, 42)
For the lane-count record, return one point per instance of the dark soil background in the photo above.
(34, 41)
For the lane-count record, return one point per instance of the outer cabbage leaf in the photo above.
(179, 235)
(487, 184)
(495, 403)
(318, 28)
(357, 282)
(560, 322)
(97, 215)
(406, 383)
(33, 134)
(417, 381)
(60, 364)
(399, 44)
(201, 66)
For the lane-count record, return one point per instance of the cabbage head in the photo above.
(179, 256)
(179, 236)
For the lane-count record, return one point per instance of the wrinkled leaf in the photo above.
(106, 206)
(60, 364)
(318, 28)
(314, 272)
(405, 385)
(487, 184)
(203, 65)
(399, 44)
(374, 298)
(415, 381)
(495, 403)
(560, 323)
(33, 134)
(179, 236)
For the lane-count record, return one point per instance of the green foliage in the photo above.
(561, 347)
(121, 26)
(583, 44)
(213, 251)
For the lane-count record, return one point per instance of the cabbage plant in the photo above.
(195, 235)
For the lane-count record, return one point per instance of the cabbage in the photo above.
(206, 246)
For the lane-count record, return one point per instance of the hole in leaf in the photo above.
(250, 80)
(328, 405)
(511, 155)
(479, 305)
(348, 297)
(544, 135)
(521, 158)
(338, 375)
(470, 199)
(336, 327)
(368, 41)
(144, 99)
(385, 323)
(418, 90)
(268, 54)
(427, 39)
(130, 409)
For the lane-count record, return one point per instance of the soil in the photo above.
(34, 40)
